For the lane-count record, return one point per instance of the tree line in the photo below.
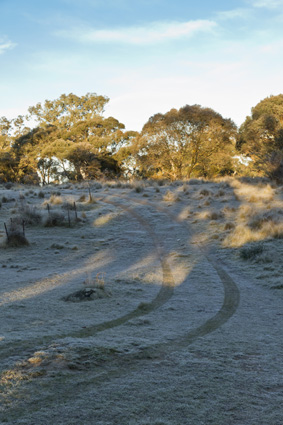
(71, 140)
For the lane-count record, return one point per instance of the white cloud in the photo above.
(233, 14)
(268, 4)
(153, 33)
(6, 45)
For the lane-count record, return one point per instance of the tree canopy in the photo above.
(186, 142)
(73, 140)
(261, 137)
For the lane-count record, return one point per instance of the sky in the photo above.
(146, 56)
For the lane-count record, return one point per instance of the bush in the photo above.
(54, 218)
(204, 192)
(251, 252)
(15, 236)
(30, 215)
(16, 239)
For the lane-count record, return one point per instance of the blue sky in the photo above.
(147, 56)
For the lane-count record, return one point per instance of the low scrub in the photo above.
(15, 236)
(54, 218)
(170, 197)
(251, 252)
(30, 215)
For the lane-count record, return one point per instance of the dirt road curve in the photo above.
(183, 338)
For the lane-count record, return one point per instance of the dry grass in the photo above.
(54, 218)
(30, 214)
(244, 234)
(82, 198)
(54, 200)
(209, 215)
(205, 192)
(229, 226)
(15, 236)
(104, 219)
(253, 194)
(170, 197)
(97, 282)
(259, 217)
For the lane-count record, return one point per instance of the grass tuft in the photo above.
(250, 252)
(170, 197)
(54, 218)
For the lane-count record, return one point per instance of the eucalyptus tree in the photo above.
(68, 127)
(261, 137)
(9, 160)
(187, 142)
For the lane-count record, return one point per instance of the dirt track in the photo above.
(186, 338)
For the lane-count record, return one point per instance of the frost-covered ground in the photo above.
(156, 305)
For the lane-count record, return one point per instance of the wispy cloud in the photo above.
(268, 4)
(241, 13)
(6, 45)
(155, 32)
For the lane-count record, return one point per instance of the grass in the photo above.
(82, 198)
(205, 192)
(229, 226)
(15, 236)
(54, 218)
(97, 282)
(104, 219)
(251, 252)
(30, 214)
(209, 215)
(170, 197)
(54, 200)
(253, 194)
(259, 217)
(16, 239)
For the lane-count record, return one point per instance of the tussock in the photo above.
(15, 236)
(244, 234)
(97, 282)
(253, 194)
(41, 194)
(205, 192)
(170, 196)
(195, 181)
(229, 226)
(54, 200)
(30, 214)
(54, 218)
(251, 252)
(272, 217)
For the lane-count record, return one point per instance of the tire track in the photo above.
(164, 294)
(124, 363)
(231, 297)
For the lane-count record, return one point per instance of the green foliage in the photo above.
(191, 141)
(72, 140)
(261, 137)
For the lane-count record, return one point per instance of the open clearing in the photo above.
(151, 305)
